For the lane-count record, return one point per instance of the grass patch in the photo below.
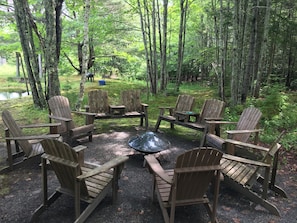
(25, 113)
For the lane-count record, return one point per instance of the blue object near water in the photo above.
(101, 82)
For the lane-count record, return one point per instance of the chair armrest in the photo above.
(144, 109)
(103, 168)
(166, 107)
(246, 145)
(244, 160)
(49, 136)
(157, 168)
(83, 113)
(40, 125)
(209, 119)
(220, 122)
(162, 110)
(244, 131)
(79, 148)
(60, 118)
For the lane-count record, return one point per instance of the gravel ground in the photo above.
(20, 192)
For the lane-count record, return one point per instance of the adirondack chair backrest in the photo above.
(16, 131)
(98, 101)
(249, 119)
(59, 106)
(131, 100)
(192, 183)
(212, 108)
(184, 103)
(66, 174)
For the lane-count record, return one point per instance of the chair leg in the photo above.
(141, 121)
(41, 208)
(153, 188)
(9, 151)
(157, 124)
(115, 185)
(273, 187)
(202, 140)
(163, 209)
(172, 213)
(215, 197)
(9, 154)
(46, 201)
(171, 125)
(146, 121)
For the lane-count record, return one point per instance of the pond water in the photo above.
(12, 95)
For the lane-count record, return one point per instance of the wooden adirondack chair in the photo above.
(245, 127)
(98, 103)
(242, 173)
(212, 109)
(59, 111)
(131, 106)
(26, 146)
(86, 182)
(184, 103)
(188, 182)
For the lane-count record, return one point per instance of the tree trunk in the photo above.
(163, 47)
(85, 55)
(181, 40)
(248, 76)
(52, 45)
(22, 16)
(147, 15)
(154, 49)
(262, 49)
(235, 55)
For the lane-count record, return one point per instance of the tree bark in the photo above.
(235, 55)
(181, 40)
(52, 45)
(262, 49)
(163, 47)
(22, 16)
(85, 55)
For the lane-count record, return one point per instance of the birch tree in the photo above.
(26, 34)
(50, 47)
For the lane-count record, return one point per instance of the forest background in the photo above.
(245, 51)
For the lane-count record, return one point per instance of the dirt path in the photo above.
(21, 190)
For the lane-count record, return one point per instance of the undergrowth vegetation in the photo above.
(277, 105)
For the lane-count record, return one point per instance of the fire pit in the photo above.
(148, 143)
